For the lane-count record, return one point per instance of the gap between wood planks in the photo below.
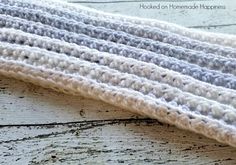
(74, 127)
(105, 122)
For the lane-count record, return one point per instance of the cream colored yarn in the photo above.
(179, 76)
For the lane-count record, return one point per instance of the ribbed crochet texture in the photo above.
(180, 76)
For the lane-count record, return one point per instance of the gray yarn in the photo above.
(203, 74)
(226, 65)
(145, 31)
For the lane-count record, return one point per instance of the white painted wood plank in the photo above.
(110, 142)
(24, 103)
(56, 134)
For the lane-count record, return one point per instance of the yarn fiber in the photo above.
(179, 76)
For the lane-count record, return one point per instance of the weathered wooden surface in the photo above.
(40, 126)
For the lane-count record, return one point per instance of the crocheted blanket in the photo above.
(179, 76)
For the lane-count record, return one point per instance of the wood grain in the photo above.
(40, 126)
(130, 141)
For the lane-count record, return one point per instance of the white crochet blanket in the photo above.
(180, 76)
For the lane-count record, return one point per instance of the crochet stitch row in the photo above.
(203, 74)
(168, 73)
(221, 39)
(149, 32)
(122, 64)
(210, 61)
(123, 97)
(109, 76)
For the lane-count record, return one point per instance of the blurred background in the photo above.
(221, 19)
